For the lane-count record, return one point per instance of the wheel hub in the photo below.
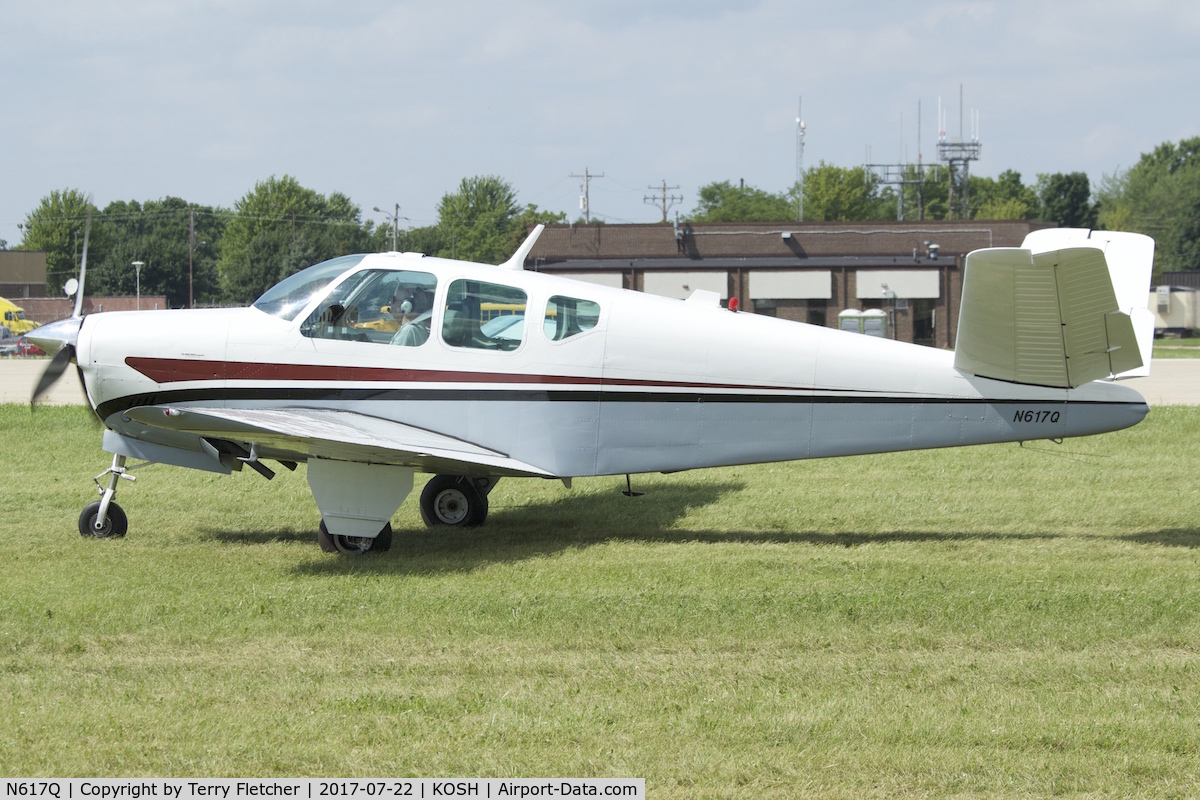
(451, 506)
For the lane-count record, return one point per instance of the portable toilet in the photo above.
(850, 320)
(874, 322)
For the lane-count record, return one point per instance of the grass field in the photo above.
(993, 621)
(1176, 348)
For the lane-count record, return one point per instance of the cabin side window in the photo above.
(379, 306)
(484, 316)
(567, 316)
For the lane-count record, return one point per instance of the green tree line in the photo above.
(216, 255)
(230, 256)
(839, 194)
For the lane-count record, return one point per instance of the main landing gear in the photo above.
(354, 545)
(104, 519)
(454, 501)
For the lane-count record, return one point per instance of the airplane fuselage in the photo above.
(654, 384)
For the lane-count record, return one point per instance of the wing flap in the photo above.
(340, 435)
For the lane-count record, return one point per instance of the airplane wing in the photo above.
(1048, 318)
(301, 433)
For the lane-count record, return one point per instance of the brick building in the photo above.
(809, 271)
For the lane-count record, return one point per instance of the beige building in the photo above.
(22, 274)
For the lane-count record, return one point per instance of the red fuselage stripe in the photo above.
(177, 370)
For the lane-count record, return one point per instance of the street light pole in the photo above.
(395, 223)
(137, 271)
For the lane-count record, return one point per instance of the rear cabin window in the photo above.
(484, 316)
(380, 306)
(567, 316)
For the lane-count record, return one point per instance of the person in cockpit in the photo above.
(412, 308)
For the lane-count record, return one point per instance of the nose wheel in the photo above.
(113, 525)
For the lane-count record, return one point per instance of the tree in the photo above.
(57, 227)
(1005, 197)
(279, 228)
(156, 233)
(529, 218)
(927, 196)
(477, 219)
(724, 202)
(839, 194)
(1159, 196)
(1066, 199)
(481, 222)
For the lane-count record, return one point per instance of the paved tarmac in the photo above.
(1172, 382)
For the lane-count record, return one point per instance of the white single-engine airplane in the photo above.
(371, 368)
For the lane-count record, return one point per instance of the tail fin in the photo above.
(1067, 307)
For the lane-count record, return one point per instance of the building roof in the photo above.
(789, 241)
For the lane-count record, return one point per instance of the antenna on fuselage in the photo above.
(518, 258)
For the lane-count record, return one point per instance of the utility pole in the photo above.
(662, 198)
(800, 130)
(584, 203)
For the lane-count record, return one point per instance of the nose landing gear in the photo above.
(104, 519)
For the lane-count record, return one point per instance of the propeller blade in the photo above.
(87, 227)
(54, 370)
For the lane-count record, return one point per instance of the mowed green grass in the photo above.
(1177, 348)
(992, 621)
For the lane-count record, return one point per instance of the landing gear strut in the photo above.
(104, 519)
(455, 501)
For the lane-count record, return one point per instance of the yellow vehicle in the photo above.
(14, 318)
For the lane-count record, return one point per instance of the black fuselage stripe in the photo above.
(334, 394)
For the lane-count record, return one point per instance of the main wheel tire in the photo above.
(354, 545)
(116, 524)
(452, 501)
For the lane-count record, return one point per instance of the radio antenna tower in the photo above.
(800, 127)
(958, 153)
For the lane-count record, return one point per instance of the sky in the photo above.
(396, 102)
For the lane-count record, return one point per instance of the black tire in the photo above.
(116, 524)
(452, 501)
(354, 545)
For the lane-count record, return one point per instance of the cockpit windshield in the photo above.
(290, 296)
